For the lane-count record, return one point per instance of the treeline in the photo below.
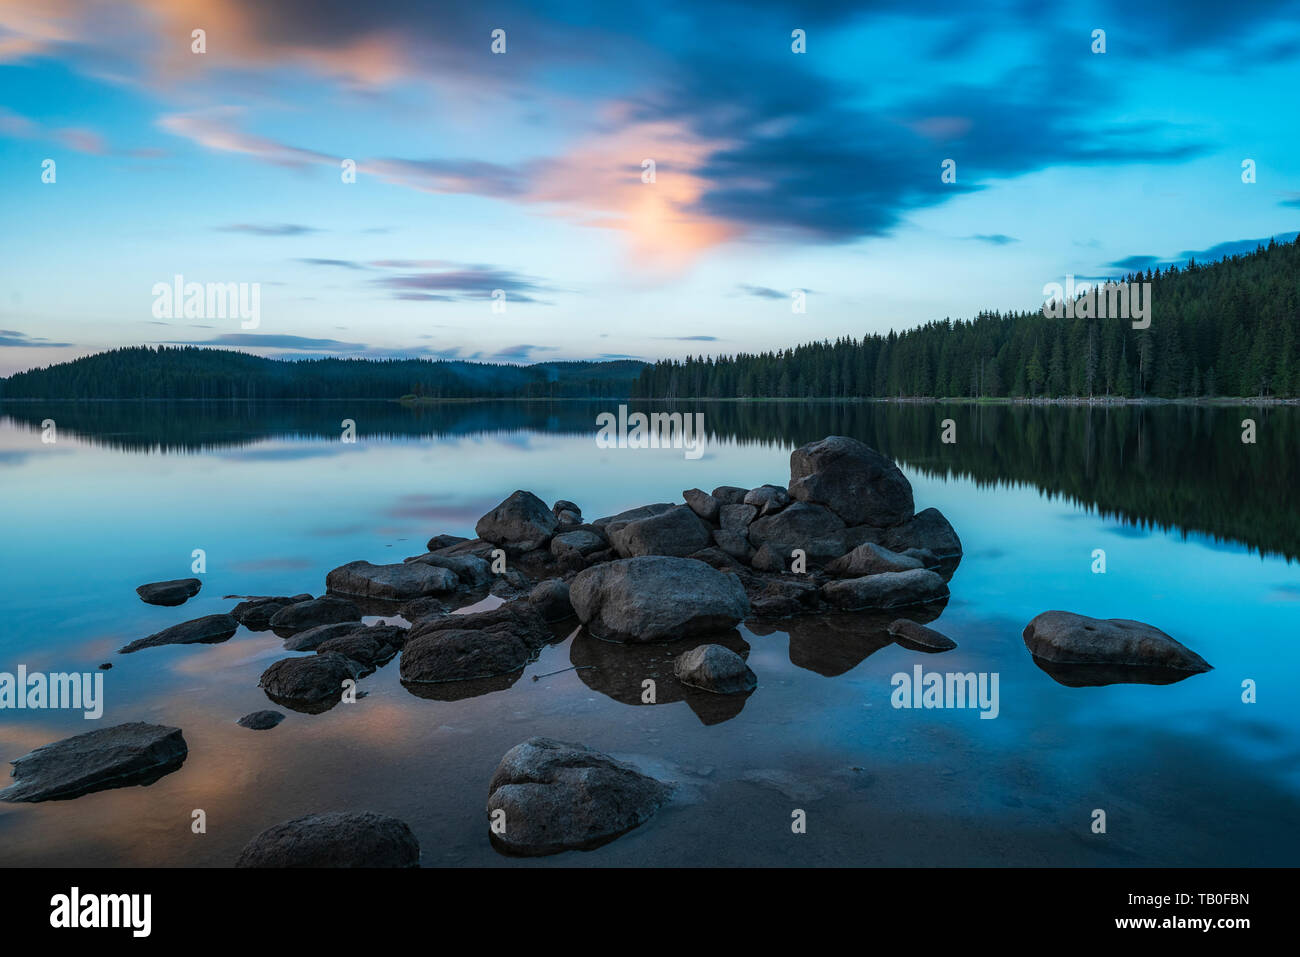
(189, 372)
(1227, 329)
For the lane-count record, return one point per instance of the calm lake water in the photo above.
(1201, 534)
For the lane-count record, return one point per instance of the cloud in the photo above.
(994, 239)
(461, 282)
(12, 339)
(267, 341)
(762, 292)
(689, 338)
(1236, 247)
(268, 229)
(340, 263)
(520, 353)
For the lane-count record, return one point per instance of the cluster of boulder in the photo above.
(841, 541)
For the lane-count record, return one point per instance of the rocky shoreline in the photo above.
(840, 542)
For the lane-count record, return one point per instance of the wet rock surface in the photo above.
(335, 839)
(261, 720)
(126, 754)
(312, 683)
(1063, 638)
(170, 593)
(909, 634)
(716, 669)
(209, 629)
(399, 581)
(553, 796)
(655, 598)
(302, 615)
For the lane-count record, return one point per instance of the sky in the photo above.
(502, 207)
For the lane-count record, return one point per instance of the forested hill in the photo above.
(187, 372)
(1227, 329)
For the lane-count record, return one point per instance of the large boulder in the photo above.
(582, 541)
(928, 530)
(555, 797)
(715, 668)
(398, 581)
(656, 598)
(886, 590)
(335, 839)
(125, 754)
(729, 494)
(209, 629)
(551, 599)
(859, 484)
(1064, 638)
(678, 531)
(872, 559)
(316, 611)
(815, 529)
(175, 592)
(519, 524)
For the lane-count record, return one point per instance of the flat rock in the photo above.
(519, 524)
(334, 839)
(859, 484)
(123, 755)
(444, 541)
(175, 592)
(209, 629)
(909, 634)
(255, 613)
(557, 797)
(400, 581)
(886, 590)
(315, 611)
(1062, 637)
(656, 598)
(261, 720)
(715, 668)
(678, 531)
(313, 638)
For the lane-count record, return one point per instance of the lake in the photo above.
(1200, 533)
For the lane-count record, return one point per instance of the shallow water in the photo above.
(1196, 527)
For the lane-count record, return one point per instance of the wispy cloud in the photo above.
(268, 229)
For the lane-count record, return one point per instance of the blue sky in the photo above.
(522, 171)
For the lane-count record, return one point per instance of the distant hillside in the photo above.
(188, 372)
(1231, 328)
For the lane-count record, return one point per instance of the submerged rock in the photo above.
(715, 668)
(123, 755)
(399, 581)
(519, 524)
(886, 590)
(335, 839)
(911, 635)
(859, 484)
(315, 611)
(170, 593)
(209, 629)
(255, 613)
(368, 647)
(557, 797)
(261, 720)
(485, 644)
(656, 598)
(1064, 638)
